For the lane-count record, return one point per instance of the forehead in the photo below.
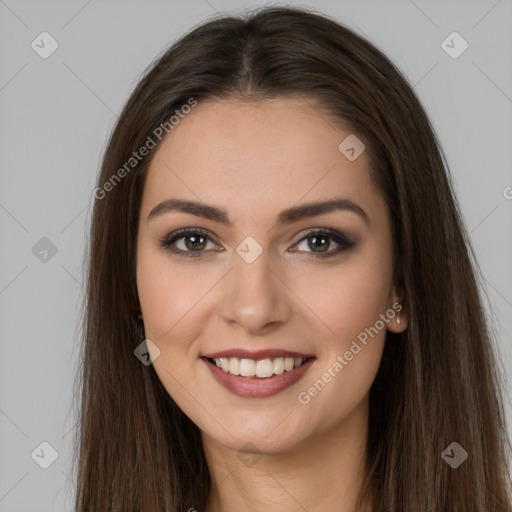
(253, 156)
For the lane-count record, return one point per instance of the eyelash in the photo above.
(337, 237)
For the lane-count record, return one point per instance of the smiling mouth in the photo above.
(259, 369)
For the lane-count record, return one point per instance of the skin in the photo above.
(255, 160)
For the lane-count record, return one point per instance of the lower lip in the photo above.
(254, 387)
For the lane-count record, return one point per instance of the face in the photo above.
(301, 297)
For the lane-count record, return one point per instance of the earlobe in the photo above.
(398, 323)
(398, 319)
(401, 322)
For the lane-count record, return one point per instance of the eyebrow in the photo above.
(288, 216)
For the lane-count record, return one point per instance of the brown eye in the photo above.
(197, 242)
(317, 242)
(194, 242)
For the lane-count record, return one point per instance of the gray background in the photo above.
(57, 113)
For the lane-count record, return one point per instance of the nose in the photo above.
(255, 296)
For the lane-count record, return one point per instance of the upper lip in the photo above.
(256, 354)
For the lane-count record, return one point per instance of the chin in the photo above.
(270, 434)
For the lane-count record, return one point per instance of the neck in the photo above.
(324, 472)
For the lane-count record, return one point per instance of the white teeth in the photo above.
(247, 368)
(263, 368)
(289, 363)
(278, 365)
(234, 366)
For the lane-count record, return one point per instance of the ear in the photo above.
(398, 317)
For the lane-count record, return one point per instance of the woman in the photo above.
(282, 307)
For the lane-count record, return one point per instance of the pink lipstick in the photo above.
(257, 374)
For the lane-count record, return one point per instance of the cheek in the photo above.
(348, 298)
(354, 298)
(351, 355)
(170, 297)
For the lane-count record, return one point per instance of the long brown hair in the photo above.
(439, 382)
